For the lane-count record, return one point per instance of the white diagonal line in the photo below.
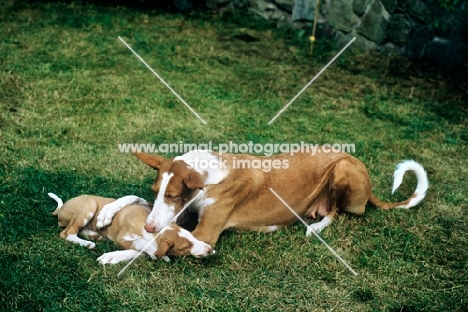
(316, 235)
(310, 82)
(172, 220)
(162, 80)
(139, 254)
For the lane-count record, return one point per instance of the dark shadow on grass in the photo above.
(35, 275)
(27, 208)
(36, 281)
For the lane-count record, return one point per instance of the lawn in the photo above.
(71, 92)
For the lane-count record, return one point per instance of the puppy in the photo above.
(77, 215)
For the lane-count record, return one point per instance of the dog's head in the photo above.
(175, 184)
(176, 241)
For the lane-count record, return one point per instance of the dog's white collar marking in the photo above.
(202, 204)
(162, 213)
(206, 162)
(166, 178)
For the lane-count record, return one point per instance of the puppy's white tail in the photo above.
(58, 200)
(419, 193)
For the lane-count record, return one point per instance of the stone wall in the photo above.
(414, 28)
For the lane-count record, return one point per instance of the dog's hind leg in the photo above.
(79, 221)
(326, 221)
(348, 190)
(90, 234)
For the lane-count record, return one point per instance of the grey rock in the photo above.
(340, 15)
(267, 10)
(362, 45)
(416, 47)
(261, 7)
(359, 46)
(303, 10)
(398, 30)
(389, 49)
(216, 4)
(390, 5)
(286, 5)
(446, 53)
(417, 9)
(240, 4)
(374, 22)
(341, 39)
(359, 6)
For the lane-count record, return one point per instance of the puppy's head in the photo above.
(176, 241)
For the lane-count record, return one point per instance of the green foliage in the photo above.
(451, 5)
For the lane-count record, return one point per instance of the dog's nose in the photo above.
(210, 250)
(150, 228)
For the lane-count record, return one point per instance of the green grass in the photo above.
(70, 92)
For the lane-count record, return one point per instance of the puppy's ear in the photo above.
(163, 247)
(154, 161)
(194, 180)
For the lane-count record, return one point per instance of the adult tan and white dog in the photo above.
(77, 215)
(228, 196)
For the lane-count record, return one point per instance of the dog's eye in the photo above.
(169, 196)
(186, 245)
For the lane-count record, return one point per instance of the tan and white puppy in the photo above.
(234, 197)
(77, 215)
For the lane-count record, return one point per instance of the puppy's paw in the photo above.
(117, 256)
(87, 244)
(107, 258)
(105, 216)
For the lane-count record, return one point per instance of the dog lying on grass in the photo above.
(230, 195)
(77, 215)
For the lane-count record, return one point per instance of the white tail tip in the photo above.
(421, 176)
(57, 199)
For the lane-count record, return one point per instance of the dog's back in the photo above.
(127, 227)
(84, 207)
(77, 215)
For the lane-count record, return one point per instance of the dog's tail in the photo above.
(419, 193)
(58, 200)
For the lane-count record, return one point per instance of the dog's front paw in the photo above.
(164, 258)
(107, 258)
(105, 216)
(117, 256)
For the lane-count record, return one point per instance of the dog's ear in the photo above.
(154, 161)
(163, 247)
(194, 180)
